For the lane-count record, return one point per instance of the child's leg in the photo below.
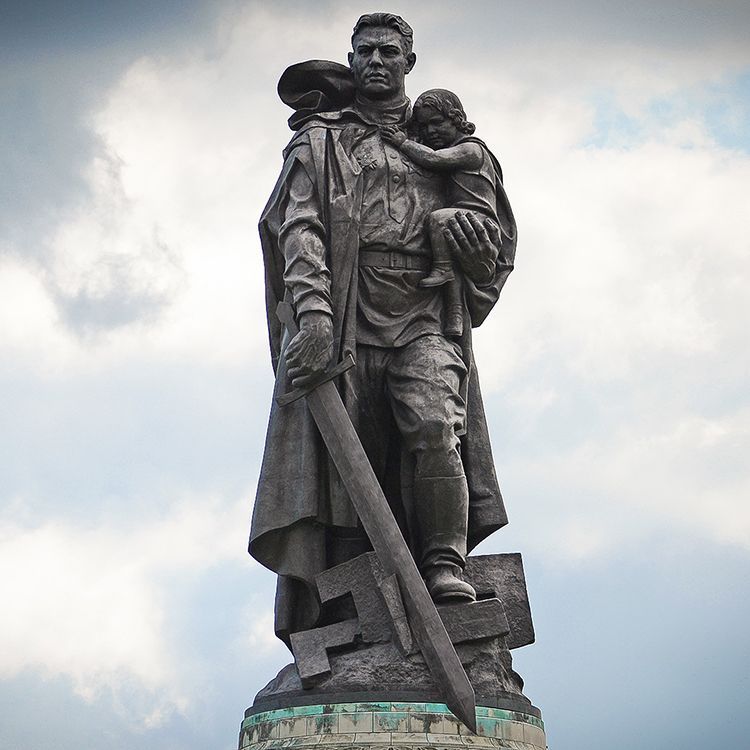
(454, 309)
(442, 263)
(442, 271)
(436, 222)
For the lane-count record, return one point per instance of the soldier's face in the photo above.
(379, 63)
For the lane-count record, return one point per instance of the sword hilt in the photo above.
(285, 314)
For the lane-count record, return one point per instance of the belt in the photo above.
(394, 259)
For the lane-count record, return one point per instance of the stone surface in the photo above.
(380, 608)
(502, 576)
(383, 668)
(361, 578)
(402, 635)
(403, 725)
(310, 648)
(474, 621)
(338, 659)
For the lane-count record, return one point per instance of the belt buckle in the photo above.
(397, 260)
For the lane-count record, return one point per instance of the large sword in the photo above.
(356, 473)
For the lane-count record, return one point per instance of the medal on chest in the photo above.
(366, 157)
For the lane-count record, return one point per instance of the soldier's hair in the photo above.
(448, 104)
(386, 21)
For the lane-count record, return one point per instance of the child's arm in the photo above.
(463, 156)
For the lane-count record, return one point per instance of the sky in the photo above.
(138, 144)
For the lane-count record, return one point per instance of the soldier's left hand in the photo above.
(474, 244)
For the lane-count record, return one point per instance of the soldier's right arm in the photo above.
(302, 238)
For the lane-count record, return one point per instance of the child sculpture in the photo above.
(448, 146)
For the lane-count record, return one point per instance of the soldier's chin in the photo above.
(376, 89)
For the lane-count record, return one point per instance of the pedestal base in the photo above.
(379, 725)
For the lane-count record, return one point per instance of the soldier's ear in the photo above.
(411, 61)
(350, 57)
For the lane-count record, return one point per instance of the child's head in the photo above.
(441, 118)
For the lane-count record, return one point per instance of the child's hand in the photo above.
(392, 134)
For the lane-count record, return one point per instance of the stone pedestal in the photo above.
(362, 682)
(378, 725)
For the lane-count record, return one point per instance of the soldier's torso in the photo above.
(398, 196)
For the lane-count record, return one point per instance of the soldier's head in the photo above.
(381, 55)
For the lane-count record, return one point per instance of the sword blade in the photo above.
(368, 499)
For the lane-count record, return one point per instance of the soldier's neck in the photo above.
(383, 111)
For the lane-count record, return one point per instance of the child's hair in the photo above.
(448, 104)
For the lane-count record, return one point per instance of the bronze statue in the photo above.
(353, 229)
(387, 238)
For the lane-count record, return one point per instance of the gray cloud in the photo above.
(631, 651)
(92, 448)
(46, 26)
(56, 62)
(43, 146)
(207, 617)
(487, 26)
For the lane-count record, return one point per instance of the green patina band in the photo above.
(396, 711)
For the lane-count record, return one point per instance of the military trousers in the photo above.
(410, 408)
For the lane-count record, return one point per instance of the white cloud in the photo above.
(28, 315)
(624, 255)
(680, 479)
(257, 633)
(168, 244)
(109, 265)
(162, 259)
(93, 604)
(628, 300)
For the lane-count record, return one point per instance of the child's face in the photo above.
(438, 131)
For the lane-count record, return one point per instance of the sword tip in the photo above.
(466, 712)
(471, 722)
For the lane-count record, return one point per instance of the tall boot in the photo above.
(441, 512)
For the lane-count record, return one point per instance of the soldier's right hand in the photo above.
(310, 352)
